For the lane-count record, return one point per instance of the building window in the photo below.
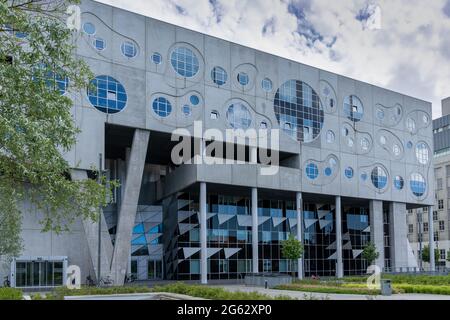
(129, 49)
(417, 184)
(238, 116)
(194, 99)
(266, 84)
(396, 149)
(410, 228)
(263, 125)
(425, 209)
(107, 94)
(298, 104)
(383, 140)
(435, 216)
(187, 110)
(328, 171)
(410, 125)
(89, 28)
(156, 58)
(349, 172)
(312, 171)
(425, 227)
(243, 78)
(365, 144)
(409, 145)
(436, 236)
(398, 182)
(219, 75)
(440, 204)
(214, 115)
(441, 225)
(353, 108)
(422, 153)
(162, 107)
(379, 177)
(439, 184)
(184, 62)
(330, 136)
(99, 43)
(442, 255)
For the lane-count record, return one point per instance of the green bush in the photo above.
(329, 288)
(60, 292)
(11, 294)
(426, 289)
(408, 279)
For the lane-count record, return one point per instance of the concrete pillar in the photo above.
(299, 205)
(128, 208)
(253, 155)
(339, 263)
(398, 233)
(431, 238)
(376, 230)
(255, 230)
(203, 235)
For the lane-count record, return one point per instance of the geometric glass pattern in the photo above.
(312, 171)
(108, 95)
(379, 177)
(238, 116)
(353, 108)
(184, 62)
(219, 75)
(162, 107)
(298, 110)
(417, 184)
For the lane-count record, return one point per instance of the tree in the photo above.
(426, 254)
(38, 65)
(370, 253)
(448, 255)
(291, 249)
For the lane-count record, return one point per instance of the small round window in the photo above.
(162, 107)
(238, 116)
(398, 182)
(349, 172)
(184, 62)
(417, 184)
(89, 28)
(266, 84)
(129, 49)
(194, 99)
(99, 43)
(379, 177)
(243, 78)
(187, 111)
(156, 58)
(219, 75)
(312, 172)
(353, 108)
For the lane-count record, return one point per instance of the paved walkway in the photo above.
(333, 296)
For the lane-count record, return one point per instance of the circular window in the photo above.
(299, 111)
(365, 144)
(353, 108)
(219, 76)
(243, 78)
(129, 49)
(194, 99)
(238, 116)
(330, 136)
(266, 84)
(184, 62)
(56, 82)
(417, 184)
(99, 43)
(156, 58)
(379, 177)
(312, 172)
(396, 149)
(263, 125)
(107, 94)
(398, 182)
(383, 140)
(422, 153)
(410, 125)
(89, 28)
(162, 107)
(409, 144)
(187, 110)
(328, 171)
(348, 172)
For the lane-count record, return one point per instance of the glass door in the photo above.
(39, 273)
(154, 269)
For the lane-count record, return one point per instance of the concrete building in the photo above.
(353, 158)
(418, 222)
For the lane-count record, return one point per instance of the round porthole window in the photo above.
(266, 84)
(107, 94)
(417, 184)
(312, 172)
(162, 107)
(349, 172)
(379, 177)
(184, 62)
(398, 182)
(194, 99)
(219, 75)
(243, 78)
(156, 58)
(238, 116)
(89, 28)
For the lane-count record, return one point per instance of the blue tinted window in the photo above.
(242, 78)
(328, 171)
(89, 28)
(21, 35)
(266, 84)
(398, 182)
(56, 82)
(238, 116)
(162, 107)
(417, 184)
(353, 108)
(194, 100)
(187, 110)
(184, 62)
(129, 49)
(379, 177)
(349, 172)
(363, 176)
(312, 171)
(99, 43)
(409, 144)
(156, 58)
(219, 76)
(107, 94)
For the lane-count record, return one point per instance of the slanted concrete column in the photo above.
(91, 231)
(299, 205)
(339, 264)
(398, 233)
(431, 238)
(203, 235)
(376, 230)
(255, 230)
(128, 207)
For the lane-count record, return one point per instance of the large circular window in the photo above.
(353, 108)
(162, 107)
(422, 153)
(238, 116)
(417, 184)
(107, 94)
(298, 110)
(379, 177)
(184, 62)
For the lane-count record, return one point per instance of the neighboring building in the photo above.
(418, 222)
(354, 158)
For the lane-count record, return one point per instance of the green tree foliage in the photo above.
(370, 253)
(291, 249)
(426, 254)
(36, 124)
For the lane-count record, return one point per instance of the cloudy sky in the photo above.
(408, 52)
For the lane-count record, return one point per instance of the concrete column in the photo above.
(255, 230)
(253, 155)
(203, 235)
(339, 264)
(398, 233)
(128, 208)
(299, 205)
(431, 238)
(376, 230)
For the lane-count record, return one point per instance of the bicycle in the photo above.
(89, 281)
(130, 278)
(6, 282)
(106, 281)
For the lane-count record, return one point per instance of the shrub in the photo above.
(11, 294)
(60, 292)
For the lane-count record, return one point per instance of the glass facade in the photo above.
(39, 273)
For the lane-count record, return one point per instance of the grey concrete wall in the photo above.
(398, 234)
(376, 230)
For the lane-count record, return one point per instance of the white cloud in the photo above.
(410, 54)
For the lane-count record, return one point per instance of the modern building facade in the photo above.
(418, 220)
(353, 158)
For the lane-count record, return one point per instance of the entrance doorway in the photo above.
(35, 273)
